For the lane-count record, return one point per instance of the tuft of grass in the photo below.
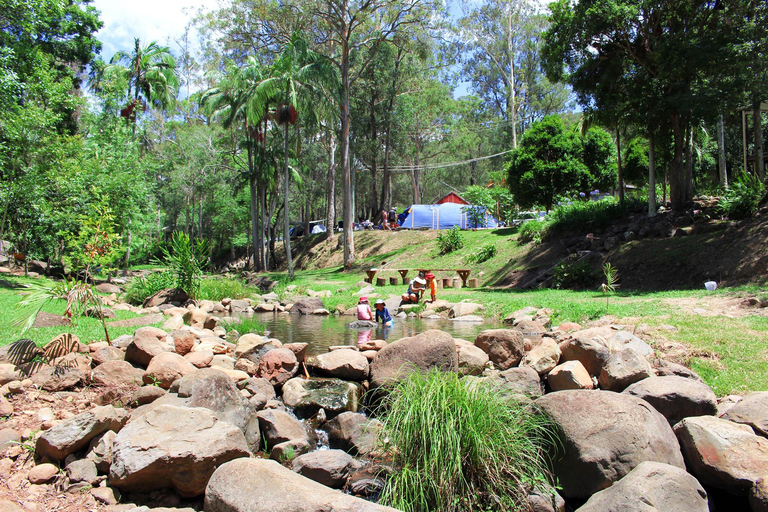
(584, 217)
(483, 254)
(217, 288)
(244, 325)
(460, 447)
(140, 287)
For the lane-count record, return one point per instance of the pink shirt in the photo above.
(364, 312)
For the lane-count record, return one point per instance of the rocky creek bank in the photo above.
(191, 417)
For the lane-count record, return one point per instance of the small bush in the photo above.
(142, 287)
(580, 217)
(451, 240)
(578, 274)
(186, 259)
(532, 231)
(483, 254)
(217, 288)
(244, 325)
(458, 447)
(742, 197)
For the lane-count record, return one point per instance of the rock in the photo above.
(758, 496)
(529, 327)
(9, 373)
(256, 485)
(174, 323)
(624, 368)
(168, 296)
(543, 357)
(505, 347)
(279, 427)
(464, 309)
(100, 452)
(106, 495)
(604, 436)
(472, 359)
(20, 352)
(108, 353)
(147, 394)
(239, 306)
(73, 434)
(623, 340)
(117, 373)
(667, 368)
(522, 381)
(542, 501)
(278, 365)
(299, 349)
(526, 311)
(353, 432)
(723, 454)
(567, 327)
(474, 319)
(166, 368)
(306, 305)
(591, 354)
(752, 410)
(82, 470)
(261, 391)
(307, 396)
(142, 349)
(9, 437)
(42, 474)
(247, 366)
(6, 408)
(196, 318)
(651, 486)
(252, 346)
(183, 342)
(108, 288)
(366, 482)
(173, 447)
(328, 467)
(58, 378)
(569, 375)
(342, 364)
(146, 320)
(430, 349)
(93, 312)
(676, 397)
(200, 359)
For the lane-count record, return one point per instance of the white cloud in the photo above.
(149, 20)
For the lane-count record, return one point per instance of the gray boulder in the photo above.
(604, 436)
(752, 410)
(342, 364)
(505, 347)
(173, 447)
(588, 351)
(430, 349)
(327, 467)
(624, 368)
(279, 427)
(252, 346)
(307, 396)
(651, 486)
(117, 373)
(676, 397)
(261, 391)
(543, 357)
(74, 434)
(353, 433)
(472, 359)
(723, 454)
(306, 305)
(257, 485)
(666, 368)
(518, 381)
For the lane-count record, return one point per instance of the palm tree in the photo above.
(300, 77)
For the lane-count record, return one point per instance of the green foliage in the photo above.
(573, 275)
(635, 161)
(611, 281)
(476, 216)
(142, 287)
(96, 243)
(532, 231)
(217, 288)
(450, 240)
(580, 217)
(742, 198)
(485, 253)
(244, 325)
(458, 446)
(552, 161)
(186, 259)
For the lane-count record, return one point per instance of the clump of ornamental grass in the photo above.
(458, 446)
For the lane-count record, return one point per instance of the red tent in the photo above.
(453, 197)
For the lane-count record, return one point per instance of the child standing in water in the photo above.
(364, 309)
(382, 313)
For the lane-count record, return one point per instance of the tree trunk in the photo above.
(254, 212)
(127, 246)
(621, 171)
(347, 206)
(512, 99)
(689, 162)
(651, 175)
(678, 188)
(330, 216)
(723, 172)
(758, 134)
(286, 222)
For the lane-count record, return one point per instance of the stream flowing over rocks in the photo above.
(195, 418)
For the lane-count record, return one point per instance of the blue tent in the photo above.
(443, 216)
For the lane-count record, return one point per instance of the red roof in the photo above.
(453, 197)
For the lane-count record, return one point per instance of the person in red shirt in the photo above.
(430, 277)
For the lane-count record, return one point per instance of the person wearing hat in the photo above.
(382, 313)
(430, 277)
(392, 218)
(364, 309)
(415, 289)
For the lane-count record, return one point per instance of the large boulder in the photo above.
(345, 364)
(57, 378)
(543, 357)
(307, 396)
(142, 349)
(723, 454)
(74, 434)
(175, 447)
(252, 346)
(307, 305)
(257, 485)
(327, 467)
(569, 375)
(174, 296)
(117, 373)
(588, 351)
(604, 436)
(278, 366)
(430, 349)
(280, 427)
(505, 347)
(651, 486)
(676, 397)
(353, 433)
(518, 381)
(624, 368)
(752, 410)
(464, 309)
(472, 359)
(165, 368)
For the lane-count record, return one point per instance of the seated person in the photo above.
(382, 313)
(415, 289)
(364, 310)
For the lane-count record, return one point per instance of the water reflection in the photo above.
(321, 332)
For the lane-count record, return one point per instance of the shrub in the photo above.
(142, 287)
(451, 240)
(186, 260)
(577, 274)
(244, 325)
(532, 231)
(587, 216)
(483, 254)
(460, 447)
(217, 288)
(742, 197)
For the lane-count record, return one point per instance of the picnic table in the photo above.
(463, 273)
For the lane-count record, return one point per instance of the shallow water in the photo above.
(321, 332)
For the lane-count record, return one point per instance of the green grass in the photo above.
(245, 325)
(459, 447)
(217, 288)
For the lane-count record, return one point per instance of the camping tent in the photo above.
(443, 216)
(452, 197)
